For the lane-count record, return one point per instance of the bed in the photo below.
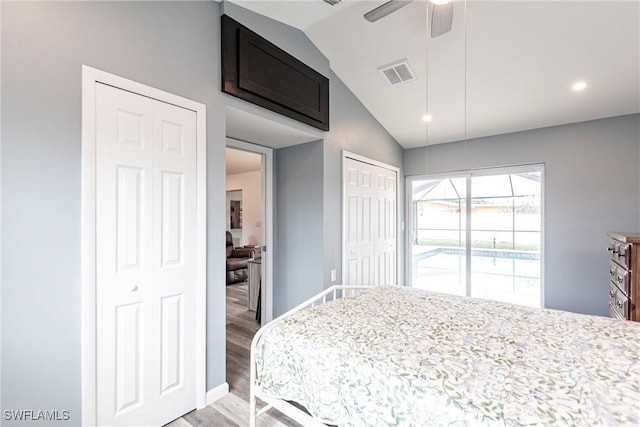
(392, 355)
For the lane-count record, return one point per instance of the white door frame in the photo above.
(90, 78)
(267, 221)
(349, 155)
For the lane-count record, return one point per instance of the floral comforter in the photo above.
(396, 356)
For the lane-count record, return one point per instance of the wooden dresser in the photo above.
(624, 275)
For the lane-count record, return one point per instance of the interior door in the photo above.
(146, 259)
(369, 226)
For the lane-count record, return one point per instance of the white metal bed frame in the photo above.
(293, 412)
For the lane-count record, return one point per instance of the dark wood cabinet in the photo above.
(257, 71)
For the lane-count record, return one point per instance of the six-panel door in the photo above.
(146, 258)
(370, 224)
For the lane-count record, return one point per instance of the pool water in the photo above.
(498, 275)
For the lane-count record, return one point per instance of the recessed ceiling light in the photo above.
(578, 86)
(427, 118)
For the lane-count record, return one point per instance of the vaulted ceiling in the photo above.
(506, 66)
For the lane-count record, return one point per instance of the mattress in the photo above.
(396, 356)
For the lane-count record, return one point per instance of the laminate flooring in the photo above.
(233, 409)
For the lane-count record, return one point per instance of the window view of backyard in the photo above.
(504, 216)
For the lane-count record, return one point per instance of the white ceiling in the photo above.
(506, 65)
(239, 161)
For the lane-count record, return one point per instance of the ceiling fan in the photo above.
(441, 12)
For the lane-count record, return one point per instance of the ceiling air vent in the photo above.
(398, 72)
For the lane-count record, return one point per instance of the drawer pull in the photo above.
(611, 293)
(611, 272)
(619, 279)
(619, 304)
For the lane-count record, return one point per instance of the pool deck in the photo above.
(420, 252)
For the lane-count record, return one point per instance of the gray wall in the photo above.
(173, 46)
(298, 267)
(592, 186)
(353, 129)
(309, 198)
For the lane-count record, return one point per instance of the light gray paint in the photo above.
(591, 187)
(298, 267)
(173, 46)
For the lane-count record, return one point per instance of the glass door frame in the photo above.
(468, 175)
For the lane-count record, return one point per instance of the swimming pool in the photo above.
(509, 276)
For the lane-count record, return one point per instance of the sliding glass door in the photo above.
(478, 234)
(439, 234)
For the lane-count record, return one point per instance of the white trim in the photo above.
(91, 76)
(1, 405)
(267, 220)
(87, 250)
(349, 155)
(216, 393)
(201, 255)
(542, 228)
(364, 159)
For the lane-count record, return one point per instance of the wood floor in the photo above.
(233, 409)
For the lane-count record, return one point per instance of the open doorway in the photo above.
(259, 132)
(245, 238)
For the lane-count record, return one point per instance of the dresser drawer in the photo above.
(618, 302)
(624, 274)
(613, 313)
(613, 291)
(621, 277)
(620, 252)
(613, 270)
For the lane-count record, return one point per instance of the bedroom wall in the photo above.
(592, 186)
(173, 46)
(298, 234)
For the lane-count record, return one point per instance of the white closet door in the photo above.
(369, 224)
(146, 259)
(385, 242)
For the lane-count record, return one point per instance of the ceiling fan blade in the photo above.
(385, 9)
(441, 18)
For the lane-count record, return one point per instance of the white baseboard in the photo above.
(217, 393)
